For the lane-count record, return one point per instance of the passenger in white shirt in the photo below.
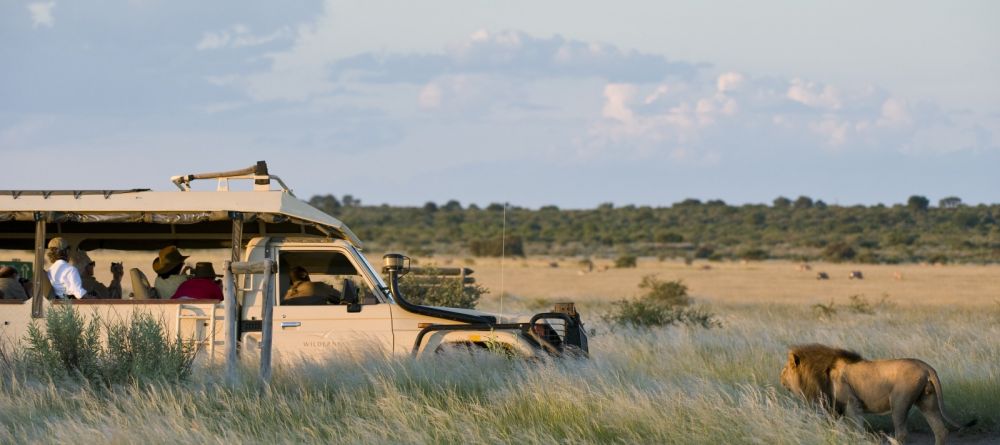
(65, 278)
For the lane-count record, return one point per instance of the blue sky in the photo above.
(560, 102)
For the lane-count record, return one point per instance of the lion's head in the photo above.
(808, 370)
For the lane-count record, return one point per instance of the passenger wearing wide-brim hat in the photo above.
(65, 279)
(201, 286)
(168, 265)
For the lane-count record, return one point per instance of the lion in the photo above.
(847, 384)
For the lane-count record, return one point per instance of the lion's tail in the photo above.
(940, 399)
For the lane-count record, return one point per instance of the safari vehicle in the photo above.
(264, 224)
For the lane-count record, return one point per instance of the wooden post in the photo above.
(267, 330)
(266, 268)
(229, 300)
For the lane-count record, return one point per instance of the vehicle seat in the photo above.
(141, 290)
(349, 292)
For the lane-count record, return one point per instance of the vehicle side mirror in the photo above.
(354, 307)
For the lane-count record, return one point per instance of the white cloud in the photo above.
(833, 129)
(895, 113)
(809, 93)
(430, 96)
(41, 14)
(238, 36)
(730, 81)
(616, 105)
(621, 102)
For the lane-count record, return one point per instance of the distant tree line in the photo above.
(797, 229)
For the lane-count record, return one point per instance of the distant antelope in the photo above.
(898, 276)
(822, 276)
(803, 267)
(856, 275)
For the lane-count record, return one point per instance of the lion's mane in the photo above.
(815, 363)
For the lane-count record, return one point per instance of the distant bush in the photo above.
(494, 247)
(626, 261)
(857, 304)
(938, 258)
(135, 350)
(838, 252)
(753, 254)
(664, 303)
(668, 237)
(436, 290)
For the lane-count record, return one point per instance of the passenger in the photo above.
(306, 292)
(10, 286)
(201, 286)
(168, 266)
(95, 288)
(66, 281)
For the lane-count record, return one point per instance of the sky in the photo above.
(568, 103)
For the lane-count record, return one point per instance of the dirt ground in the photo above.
(738, 282)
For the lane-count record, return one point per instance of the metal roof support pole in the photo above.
(39, 267)
(232, 317)
(237, 248)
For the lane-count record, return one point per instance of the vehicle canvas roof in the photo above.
(167, 207)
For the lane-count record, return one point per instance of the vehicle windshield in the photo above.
(378, 277)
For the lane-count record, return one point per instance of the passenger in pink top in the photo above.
(201, 285)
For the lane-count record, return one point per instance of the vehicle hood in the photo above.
(506, 318)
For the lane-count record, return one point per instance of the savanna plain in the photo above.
(670, 384)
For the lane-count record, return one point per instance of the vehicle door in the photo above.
(325, 306)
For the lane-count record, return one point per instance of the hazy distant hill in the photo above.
(799, 229)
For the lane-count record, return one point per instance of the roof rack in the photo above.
(258, 173)
(76, 193)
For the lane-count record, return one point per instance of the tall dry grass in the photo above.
(671, 385)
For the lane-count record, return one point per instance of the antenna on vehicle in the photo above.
(503, 254)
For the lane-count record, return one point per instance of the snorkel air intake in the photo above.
(397, 265)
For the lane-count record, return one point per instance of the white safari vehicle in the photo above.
(233, 230)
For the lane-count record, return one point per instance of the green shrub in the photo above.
(135, 350)
(665, 293)
(664, 303)
(437, 290)
(825, 310)
(141, 350)
(69, 345)
(626, 261)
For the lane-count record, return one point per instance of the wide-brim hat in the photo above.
(168, 259)
(204, 270)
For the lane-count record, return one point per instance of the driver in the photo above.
(306, 292)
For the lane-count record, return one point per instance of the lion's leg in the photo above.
(928, 405)
(844, 395)
(900, 406)
(899, 422)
